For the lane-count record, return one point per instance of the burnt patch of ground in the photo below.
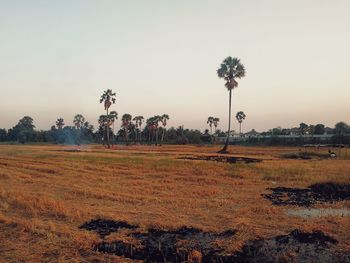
(156, 245)
(188, 244)
(223, 159)
(104, 227)
(297, 246)
(308, 155)
(316, 193)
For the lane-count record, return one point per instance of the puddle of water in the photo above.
(318, 212)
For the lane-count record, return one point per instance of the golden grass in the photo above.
(46, 193)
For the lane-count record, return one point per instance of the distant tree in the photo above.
(319, 129)
(103, 127)
(230, 70)
(60, 123)
(240, 116)
(152, 127)
(3, 135)
(138, 125)
(341, 128)
(112, 117)
(210, 122)
(78, 121)
(23, 131)
(163, 119)
(303, 128)
(107, 98)
(126, 119)
(26, 122)
(216, 123)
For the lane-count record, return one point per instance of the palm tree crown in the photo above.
(108, 97)
(78, 120)
(231, 69)
(60, 123)
(240, 116)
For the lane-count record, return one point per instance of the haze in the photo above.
(57, 57)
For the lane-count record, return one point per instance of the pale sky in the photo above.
(57, 57)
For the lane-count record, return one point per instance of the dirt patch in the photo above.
(316, 193)
(223, 159)
(318, 212)
(297, 246)
(104, 227)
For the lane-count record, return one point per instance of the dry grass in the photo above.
(46, 193)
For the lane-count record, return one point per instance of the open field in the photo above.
(47, 192)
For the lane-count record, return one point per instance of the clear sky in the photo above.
(57, 57)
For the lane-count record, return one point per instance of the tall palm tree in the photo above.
(138, 124)
(113, 116)
(126, 119)
(107, 97)
(103, 122)
(152, 126)
(216, 123)
(240, 116)
(210, 122)
(156, 120)
(163, 119)
(60, 123)
(230, 70)
(78, 121)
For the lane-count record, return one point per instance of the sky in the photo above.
(161, 56)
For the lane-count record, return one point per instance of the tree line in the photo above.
(150, 131)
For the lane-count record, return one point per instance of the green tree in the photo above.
(303, 128)
(319, 129)
(26, 122)
(230, 70)
(107, 98)
(341, 128)
(240, 116)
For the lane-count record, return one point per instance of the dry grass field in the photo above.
(47, 192)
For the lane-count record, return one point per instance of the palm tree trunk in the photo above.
(240, 128)
(224, 150)
(157, 136)
(107, 131)
(140, 133)
(163, 135)
(113, 136)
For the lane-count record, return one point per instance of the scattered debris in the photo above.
(316, 193)
(223, 159)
